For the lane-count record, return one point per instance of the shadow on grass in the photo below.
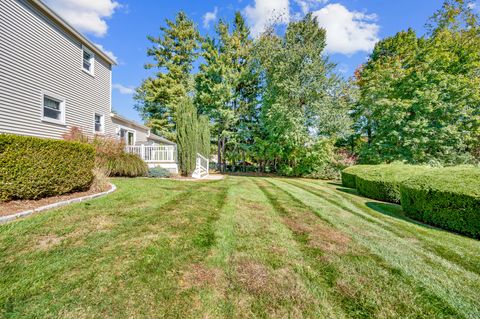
(395, 211)
(387, 209)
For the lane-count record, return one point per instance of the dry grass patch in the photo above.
(199, 276)
(47, 242)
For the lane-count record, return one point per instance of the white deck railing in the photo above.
(202, 167)
(151, 154)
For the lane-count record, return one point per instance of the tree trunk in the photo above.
(219, 154)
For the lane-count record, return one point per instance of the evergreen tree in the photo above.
(187, 136)
(173, 53)
(302, 95)
(227, 88)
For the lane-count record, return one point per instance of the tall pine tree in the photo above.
(173, 53)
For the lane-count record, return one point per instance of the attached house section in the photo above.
(155, 150)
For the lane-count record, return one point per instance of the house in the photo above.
(52, 78)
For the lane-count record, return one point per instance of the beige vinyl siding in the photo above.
(140, 133)
(37, 55)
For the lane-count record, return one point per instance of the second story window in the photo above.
(99, 124)
(88, 60)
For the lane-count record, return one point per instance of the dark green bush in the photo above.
(349, 174)
(382, 182)
(158, 172)
(445, 197)
(32, 168)
(126, 165)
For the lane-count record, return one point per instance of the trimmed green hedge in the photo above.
(32, 168)
(446, 197)
(350, 173)
(382, 182)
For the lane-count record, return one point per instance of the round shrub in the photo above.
(382, 182)
(125, 165)
(33, 168)
(158, 172)
(445, 197)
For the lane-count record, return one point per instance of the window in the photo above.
(53, 109)
(127, 136)
(99, 123)
(88, 60)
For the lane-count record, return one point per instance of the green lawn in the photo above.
(236, 248)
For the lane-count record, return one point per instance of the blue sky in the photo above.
(120, 27)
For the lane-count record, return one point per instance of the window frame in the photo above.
(57, 98)
(125, 138)
(92, 61)
(102, 123)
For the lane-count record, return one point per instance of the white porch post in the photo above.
(142, 151)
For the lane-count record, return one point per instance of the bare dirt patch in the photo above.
(17, 206)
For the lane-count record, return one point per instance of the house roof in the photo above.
(150, 136)
(133, 123)
(67, 27)
(160, 139)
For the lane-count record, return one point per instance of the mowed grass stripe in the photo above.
(454, 285)
(265, 269)
(461, 250)
(115, 258)
(365, 284)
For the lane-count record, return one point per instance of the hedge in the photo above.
(446, 197)
(382, 182)
(33, 168)
(349, 174)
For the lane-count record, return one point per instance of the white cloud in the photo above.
(85, 15)
(110, 54)
(266, 12)
(209, 17)
(348, 32)
(307, 5)
(123, 89)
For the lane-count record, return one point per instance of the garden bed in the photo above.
(18, 206)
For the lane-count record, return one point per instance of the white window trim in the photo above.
(102, 122)
(92, 71)
(58, 98)
(128, 129)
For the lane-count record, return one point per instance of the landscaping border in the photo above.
(6, 219)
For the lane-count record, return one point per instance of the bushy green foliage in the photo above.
(419, 96)
(158, 172)
(382, 182)
(110, 155)
(445, 197)
(126, 165)
(349, 175)
(32, 168)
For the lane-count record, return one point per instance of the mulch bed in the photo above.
(17, 206)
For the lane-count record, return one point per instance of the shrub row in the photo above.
(382, 182)
(448, 198)
(445, 197)
(33, 168)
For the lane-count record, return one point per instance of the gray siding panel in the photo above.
(37, 55)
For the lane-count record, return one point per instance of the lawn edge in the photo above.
(9, 218)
